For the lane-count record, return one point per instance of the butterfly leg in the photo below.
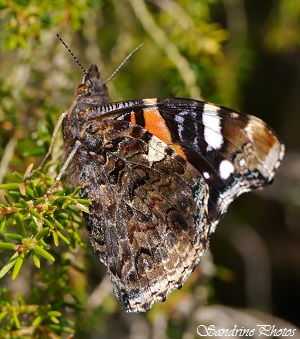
(56, 128)
(65, 166)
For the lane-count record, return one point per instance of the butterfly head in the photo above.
(92, 84)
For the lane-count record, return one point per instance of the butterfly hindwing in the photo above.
(148, 216)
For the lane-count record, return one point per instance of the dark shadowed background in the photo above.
(240, 54)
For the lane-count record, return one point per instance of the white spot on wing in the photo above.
(242, 162)
(225, 169)
(156, 150)
(212, 126)
(180, 120)
(206, 175)
(150, 102)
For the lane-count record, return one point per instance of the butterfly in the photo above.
(160, 174)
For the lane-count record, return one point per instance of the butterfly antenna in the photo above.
(73, 55)
(122, 63)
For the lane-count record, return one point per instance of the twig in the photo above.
(7, 156)
(161, 39)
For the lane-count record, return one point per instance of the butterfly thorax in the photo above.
(90, 93)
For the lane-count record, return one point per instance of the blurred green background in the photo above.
(240, 54)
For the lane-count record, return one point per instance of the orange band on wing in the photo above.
(155, 124)
(133, 118)
(178, 149)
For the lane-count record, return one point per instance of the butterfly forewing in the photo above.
(234, 152)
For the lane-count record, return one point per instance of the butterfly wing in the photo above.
(233, 152)
(160, 174)
(148, 218)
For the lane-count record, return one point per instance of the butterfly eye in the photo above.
(82, 89)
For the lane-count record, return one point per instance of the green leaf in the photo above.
(55, 327)
(18, 205)
(82, 208)
(39, 250)
(37, 321)
(20, 226)
(6, 246)
(48, 223)
(55, 238)
(42, 243)
(54, 320)
(8, 199)
(64, 216)
(23, 203)
(36, 260)
(39, 201)
(29, 191)
(54, 314)
(3, 223)
(15, 194)
(66, 204)
(35, 214)
(73, 208)
(37, 173)
(3, 315)
(19, 176)
(59, 225)
(16, 319)
(62, 237)
(14, 236)
(11, 186)
(42, 233)
(18, 265)
(72, 195)
(84, 201)
(9, 264)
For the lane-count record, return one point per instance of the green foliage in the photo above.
(40, 320)
(25, 20)
(33, 225)
(283, 34)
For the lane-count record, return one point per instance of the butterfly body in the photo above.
(160, 174)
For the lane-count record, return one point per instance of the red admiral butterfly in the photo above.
(160, 174)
